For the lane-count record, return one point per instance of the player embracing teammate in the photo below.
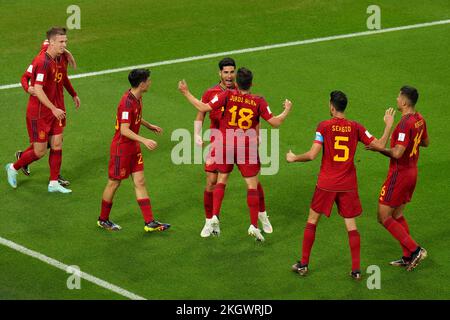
(241, 114)
(227, 74)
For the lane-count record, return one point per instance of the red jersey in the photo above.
(241, 113)
(214, 115)
(45, 74)
(409, 132)
(61, 76)
(339, 138)
(128, 111)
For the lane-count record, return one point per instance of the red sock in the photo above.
(208, 203)
(106, 209)
(253, 205)
(29, 148)
(400, 234)
(54, 160)
(262, 201)
(146, 209)
(402, 221)
(218, 193)
(308, 240)
(355, 248)
(27, 157)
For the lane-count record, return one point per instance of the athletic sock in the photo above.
(308, 241)
(253, 205)
(402, 221)
(399, 233)
(105, 210)
(26, 158)
(208, 203)
(218, 193)
(54, 160)
(355, 249)
(146, 209)
(262, 201)
(30, 147)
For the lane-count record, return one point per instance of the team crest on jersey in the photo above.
(41, 135)
(123, 172)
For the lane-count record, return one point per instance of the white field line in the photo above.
(255, 49)
(62, 266)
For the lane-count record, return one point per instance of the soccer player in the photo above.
(126, 156)
(227, 74)
(45, 118)
(240, 118)
(407, 138)
(64, 59)
(337, 138)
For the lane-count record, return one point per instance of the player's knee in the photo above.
(40, 152)
(113, 184)
(139, 182)
(56, 145)
(210, 183)
(210, 186)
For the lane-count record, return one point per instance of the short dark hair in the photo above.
(54, 31)
(244, 78)
(339, 100)
(410, 93)
(137, 76)
(226, 62)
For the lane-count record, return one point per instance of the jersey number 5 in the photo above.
(339, 146)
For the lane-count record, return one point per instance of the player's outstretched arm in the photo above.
(202, 107)
(70, 59)
(380, 144)
(40, 94)
(152, 127)
(127, 132)
(275, 122)
(305, 157)
(198, 125)
(395, 153)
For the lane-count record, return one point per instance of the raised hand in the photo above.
(287, 105)
(290, 156)
(389, 117)
(183, 87)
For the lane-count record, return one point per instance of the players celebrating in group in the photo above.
(338, 138)
(235, 115)
(227, 74)
(238, 140)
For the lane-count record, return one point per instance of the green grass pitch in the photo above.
(178, 264)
